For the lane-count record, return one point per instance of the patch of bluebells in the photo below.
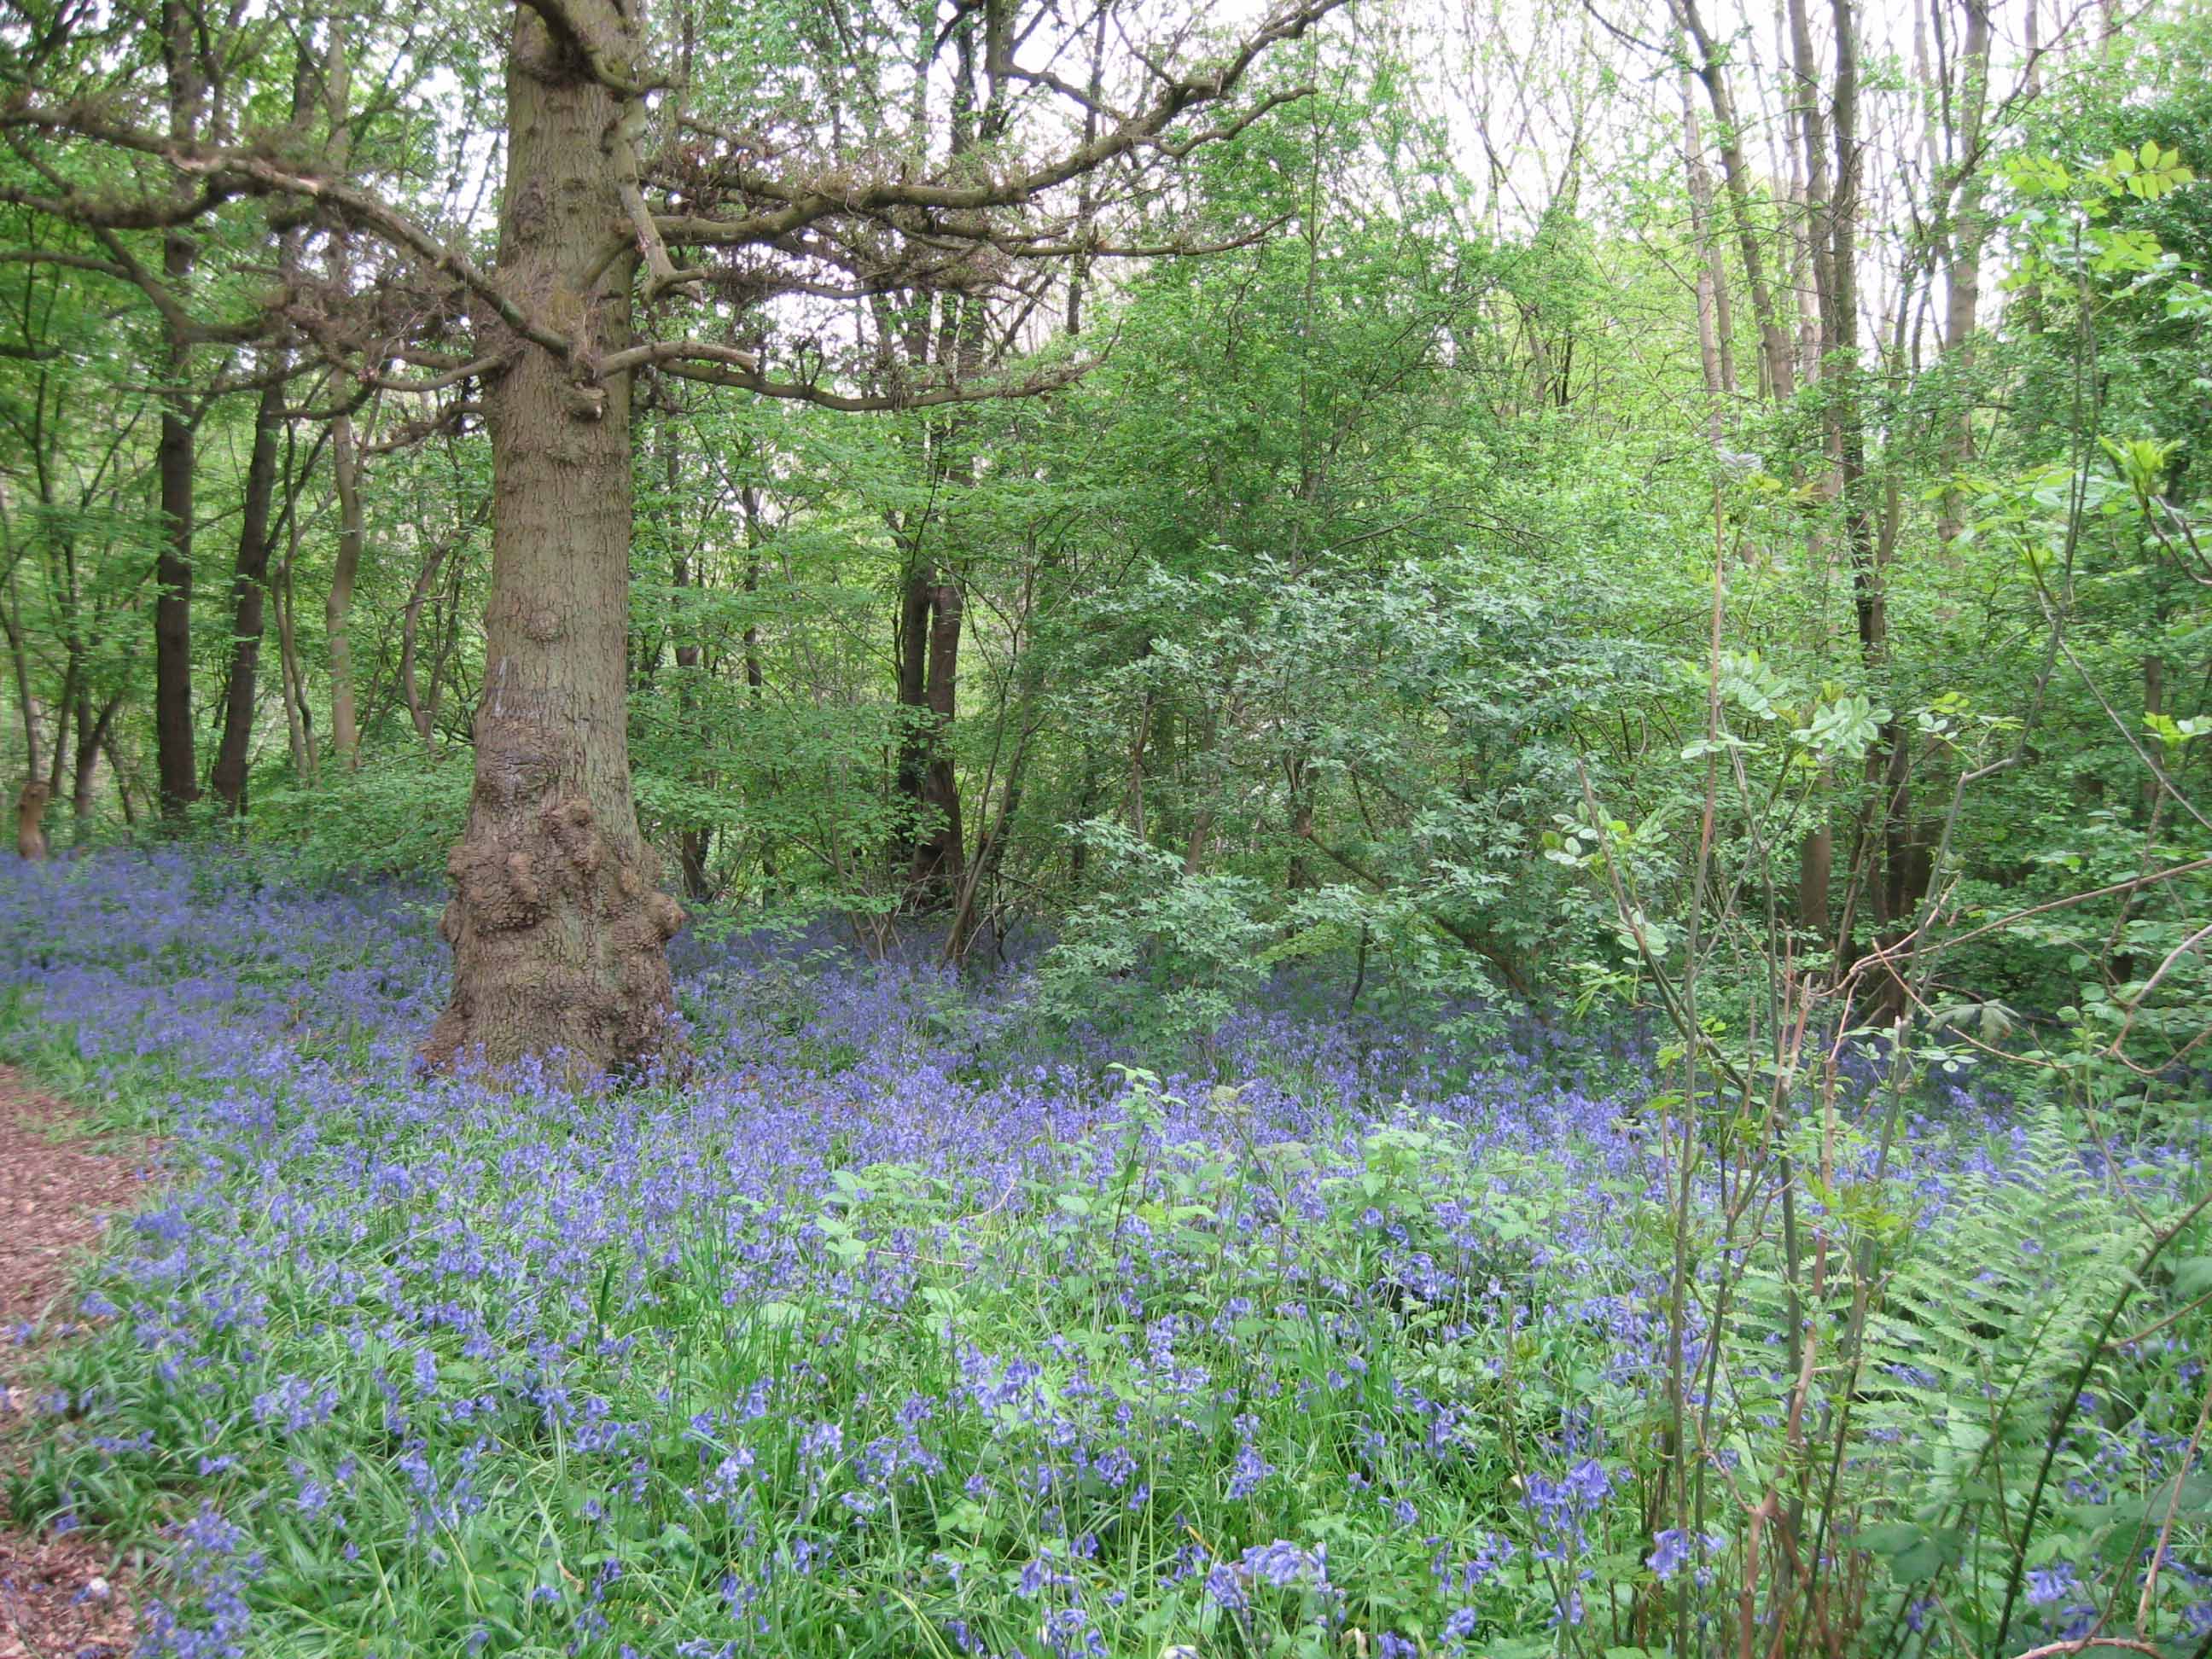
(212, 1565)
(891, 1292)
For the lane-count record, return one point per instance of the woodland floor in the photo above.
(61, 1594)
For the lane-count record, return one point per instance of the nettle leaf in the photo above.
(1843, 729)
(2188, 302)
(2176, 734)
(1915, 1553)
(2119, 251)
(1719, 745)
(1747, 681)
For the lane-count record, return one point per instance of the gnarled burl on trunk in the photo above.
(558, 927)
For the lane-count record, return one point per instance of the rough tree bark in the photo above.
(557, 926)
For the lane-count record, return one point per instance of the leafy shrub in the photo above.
(398, 817)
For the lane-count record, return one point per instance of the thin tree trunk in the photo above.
(1133, 792)
(83, 768)
(1774, 339)
(2153, 684)
(299, 720)
(911, 658)
(1962, 298)
(249, 591)
(122, 779)
(1816, 860)
(990, 853)
(1884, 853)
(755, 669)
(558, 928)
(1298, 874)
(1714, 357)
(1086, 199)
(410, 623)
(447, 625)
(338, 604)
(92, 734)
(692, 841)
(931, 607)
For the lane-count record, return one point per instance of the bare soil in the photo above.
(62, 1596)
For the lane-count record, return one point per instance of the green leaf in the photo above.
(2192, 1278)
(1915, 1553)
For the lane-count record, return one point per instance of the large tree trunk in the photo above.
(174, 766)
(175, 769)
(558, 929)
(249, 589)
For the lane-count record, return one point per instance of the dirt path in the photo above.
(58, 1596)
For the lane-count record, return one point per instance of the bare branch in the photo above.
(863, 403)
(229, 172)
(829, 193)
(675, 351)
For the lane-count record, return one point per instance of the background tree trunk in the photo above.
(934, 876)
(31, 799)
(1963, 295)
(558, 930)
(249, 593)
(176, 771)
(338, 604)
